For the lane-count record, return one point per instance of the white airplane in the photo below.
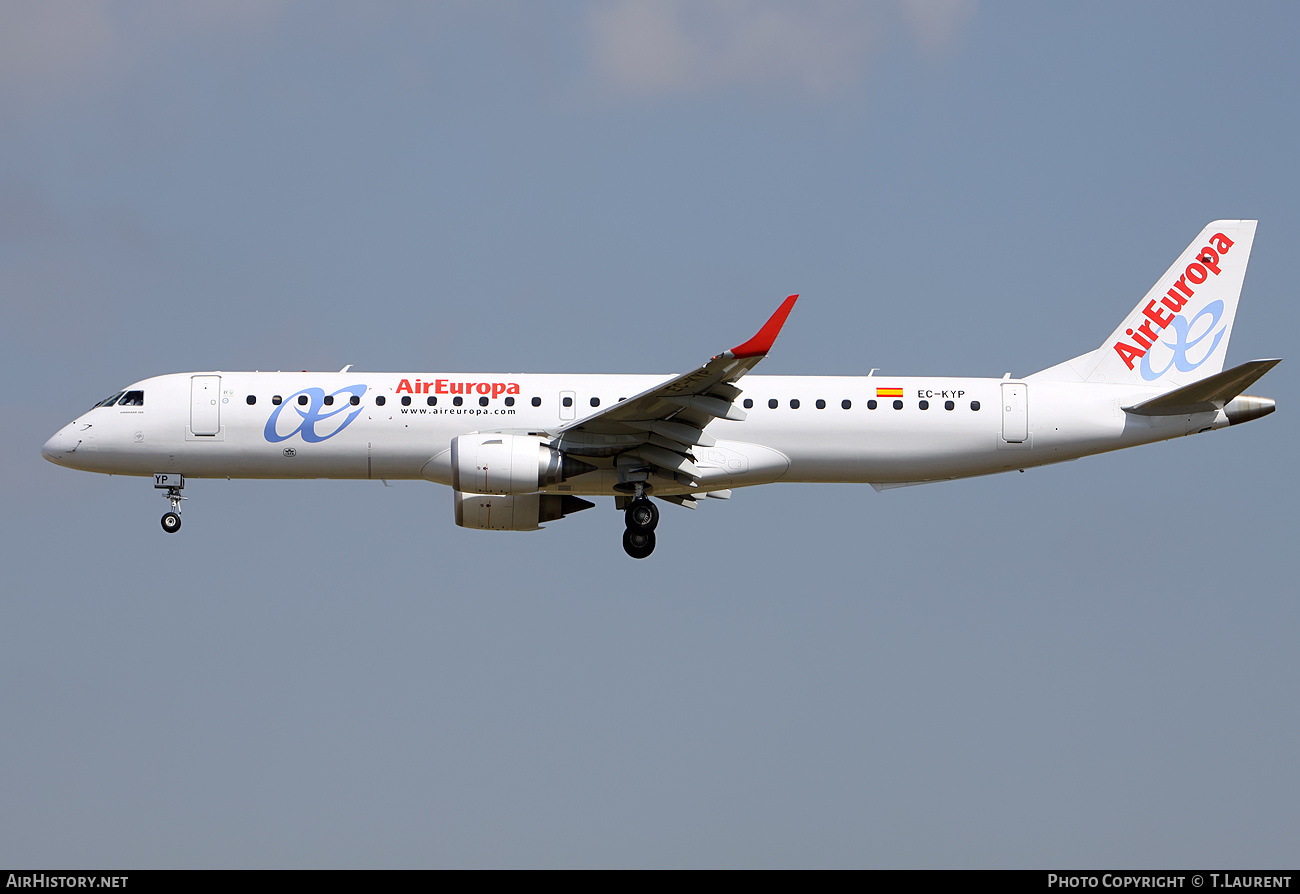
(519, 450)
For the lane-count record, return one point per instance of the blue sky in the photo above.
(1085, 665)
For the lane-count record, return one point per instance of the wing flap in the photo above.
(709, 405)
(681, 433)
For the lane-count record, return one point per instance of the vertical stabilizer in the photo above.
(1178, 333)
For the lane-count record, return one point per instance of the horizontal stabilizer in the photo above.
(1206, 395)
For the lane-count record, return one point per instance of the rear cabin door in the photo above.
(1015, 412)
(205, 405)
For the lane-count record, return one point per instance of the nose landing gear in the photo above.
(172, 483)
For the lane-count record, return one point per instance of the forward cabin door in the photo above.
(1015, 412)
(205, 405)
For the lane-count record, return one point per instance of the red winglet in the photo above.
(762, 343)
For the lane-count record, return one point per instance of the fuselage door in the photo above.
(205, 405)
(568, 402)
(1015, 412)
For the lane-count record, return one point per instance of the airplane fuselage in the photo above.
(868, 429)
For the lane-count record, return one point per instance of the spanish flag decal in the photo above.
(889, 392)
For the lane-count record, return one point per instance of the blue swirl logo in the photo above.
(1182, 343)
(314, 423)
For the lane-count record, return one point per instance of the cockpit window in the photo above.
(132, 399)
(108, 401)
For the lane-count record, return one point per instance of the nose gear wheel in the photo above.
(171, 521)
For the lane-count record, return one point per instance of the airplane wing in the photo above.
(653, 433)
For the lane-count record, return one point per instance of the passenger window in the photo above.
(898, 405)
(251, 399)
(406, 400)
(924, 405)
(457, 400)
(275, 399)
(431, 401)
(354, 400)
(568, 401)
(329, 400)
(380, 400)
(302, 400)
(846, 404)
(595, 401)
(772, 404)
(974, 405)
(482, 401)
(749, 403)
(948, 405)
(821, 404)
(537, 401)
(871, 405)
(794, 404)
(510, 401)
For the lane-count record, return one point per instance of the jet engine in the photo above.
(514, 512)
(508, 464)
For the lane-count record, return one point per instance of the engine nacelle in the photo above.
(508, 464)
(514, 512)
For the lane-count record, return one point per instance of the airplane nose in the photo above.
(58, 447)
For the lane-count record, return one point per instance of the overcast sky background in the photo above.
(1093, 664)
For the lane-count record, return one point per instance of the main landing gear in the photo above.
(172, 483)
(641, 517)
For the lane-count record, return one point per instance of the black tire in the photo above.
(641, 515)
(171, 522)
(638, 544)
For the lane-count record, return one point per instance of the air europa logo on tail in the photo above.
(1159, 316)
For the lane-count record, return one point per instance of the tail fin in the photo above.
(1178, 333)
